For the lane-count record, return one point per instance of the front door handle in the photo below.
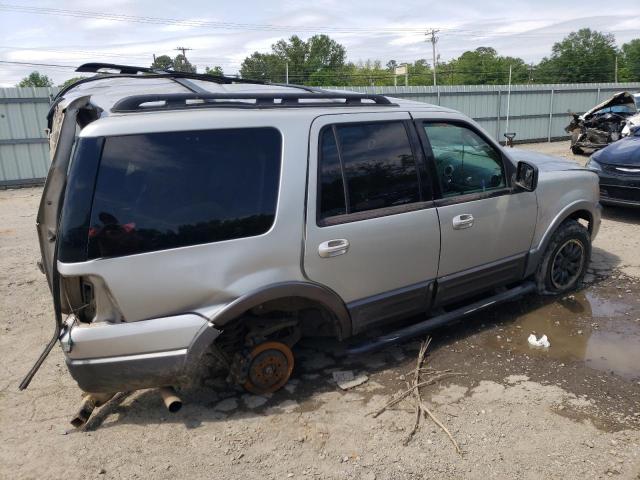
(333, 248)
(463, 221)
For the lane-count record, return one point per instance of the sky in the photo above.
(67, 33)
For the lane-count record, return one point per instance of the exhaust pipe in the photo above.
(170, 399)
(89, 403)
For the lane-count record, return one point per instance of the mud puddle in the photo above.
(599, 326)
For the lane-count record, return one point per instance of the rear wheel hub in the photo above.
(269, 367)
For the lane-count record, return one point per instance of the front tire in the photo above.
(565, 260)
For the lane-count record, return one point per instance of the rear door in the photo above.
(62, 137)
(486, 225)
(372, 232)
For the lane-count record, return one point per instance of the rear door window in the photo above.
(366, 167)
(173, 189)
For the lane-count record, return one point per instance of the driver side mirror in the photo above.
(526, 176)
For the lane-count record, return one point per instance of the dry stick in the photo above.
(408, 392)
(424, 408)
(416, 389)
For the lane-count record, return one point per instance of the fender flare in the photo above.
(308, 290)
(536, 252)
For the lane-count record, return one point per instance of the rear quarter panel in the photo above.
(198, 277)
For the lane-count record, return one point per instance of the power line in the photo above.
(370, 30)
(189, 23)
(184, 51)
(34, 64)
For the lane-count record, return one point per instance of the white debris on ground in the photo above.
(346, 379)
(543, 341)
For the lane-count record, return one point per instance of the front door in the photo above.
(486, 225)
(372, 232)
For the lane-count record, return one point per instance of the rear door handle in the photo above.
(463, 221)
(333, 248)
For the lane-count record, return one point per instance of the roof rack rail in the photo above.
(179, 101)
(95, 67)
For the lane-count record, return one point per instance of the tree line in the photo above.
(582, 56)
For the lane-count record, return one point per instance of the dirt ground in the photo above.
(569, 411)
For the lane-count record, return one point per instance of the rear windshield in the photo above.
(165, 190)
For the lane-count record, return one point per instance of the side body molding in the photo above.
(307, 290)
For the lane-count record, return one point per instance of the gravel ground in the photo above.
(572, 411)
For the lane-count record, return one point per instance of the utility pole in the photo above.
(616, 71)
(433, 39)
(183, 50)
(286, 73)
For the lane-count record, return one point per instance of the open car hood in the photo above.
(621, 98)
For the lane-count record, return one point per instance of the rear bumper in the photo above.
(131, 356)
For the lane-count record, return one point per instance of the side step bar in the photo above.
(440, 320)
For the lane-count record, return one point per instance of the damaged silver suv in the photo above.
(186, 214)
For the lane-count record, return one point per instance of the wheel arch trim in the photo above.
(536, 252)
(307, 290)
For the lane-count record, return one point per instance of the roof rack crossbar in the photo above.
(175, 101)
(96, 67)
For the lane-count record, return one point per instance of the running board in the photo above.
(440, 320)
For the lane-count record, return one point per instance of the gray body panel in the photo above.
(391, 251)
(158, 311)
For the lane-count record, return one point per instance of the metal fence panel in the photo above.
(536, 113)
(24, 152)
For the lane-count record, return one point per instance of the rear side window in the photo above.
(365, 167)
(165, 190)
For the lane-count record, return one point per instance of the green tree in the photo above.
(66, 83)
(483, 66)
(263, 66)
(583, 56)
(420, 72)
(36, 79)
(630, 61)
(162, 62)
(181, 64)
(370, 72)
(317, 61)
(215, 71)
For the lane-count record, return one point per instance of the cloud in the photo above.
(369, 29)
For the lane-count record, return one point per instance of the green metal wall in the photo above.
(536, 113)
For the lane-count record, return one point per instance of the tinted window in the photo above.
(332, 198)
(378, 164)
(464, 161)
(166, 190)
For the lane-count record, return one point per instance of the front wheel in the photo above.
(566, 259)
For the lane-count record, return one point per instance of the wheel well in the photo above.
(309, 317)
(584, 218)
